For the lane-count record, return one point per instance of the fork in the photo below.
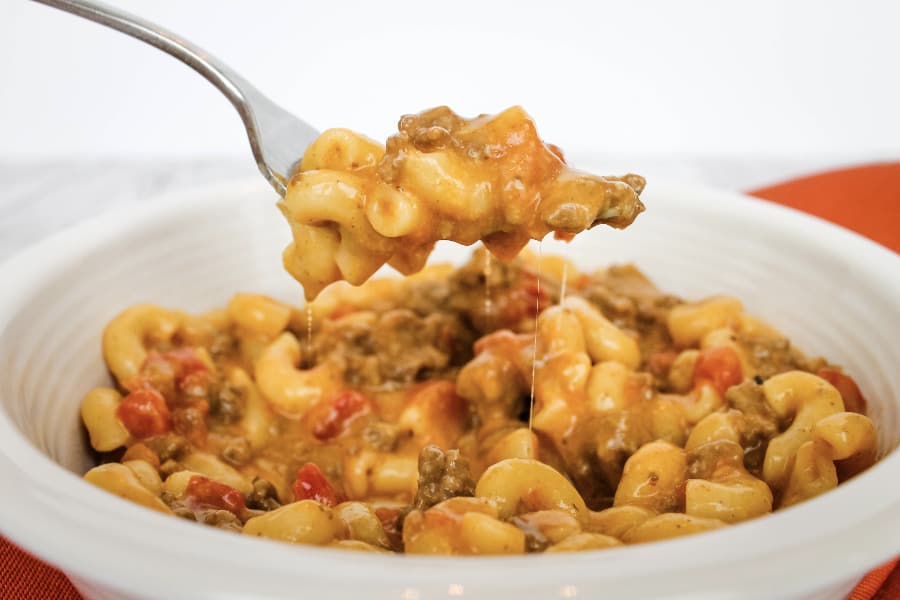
(277, 138)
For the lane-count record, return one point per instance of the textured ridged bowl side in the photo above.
(831, 292)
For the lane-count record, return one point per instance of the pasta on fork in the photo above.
(355, 205)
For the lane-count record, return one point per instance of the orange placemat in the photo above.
(23, 577)
(864, 199)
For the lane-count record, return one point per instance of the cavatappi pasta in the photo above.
(355, 205)
(402, 424)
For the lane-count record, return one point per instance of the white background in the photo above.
(814, 80)
(729, 94)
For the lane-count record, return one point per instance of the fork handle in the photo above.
(227, 81)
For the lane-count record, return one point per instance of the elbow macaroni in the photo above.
(518, 484)
(127, 336)
(399, 421)
(689, 323)
(604, 340)
(720, 486)
(259, 315)
(289, 389)
(303, 522)
(122, 481)
(98, 413)
(805, 399)
(653, 477)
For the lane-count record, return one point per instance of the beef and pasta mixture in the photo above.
(355, 204)
(499, 407)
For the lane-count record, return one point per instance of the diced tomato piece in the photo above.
(853, 398)
(191, 373)
(139, 382)
(718, 366)
(185, 360)
(311, 484)
(345, 407)
(203, 491)
(166, 372)
(144, 413)
(388, 516)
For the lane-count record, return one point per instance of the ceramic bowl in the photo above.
(832, 292)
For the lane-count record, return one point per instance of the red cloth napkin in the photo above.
(864, 199)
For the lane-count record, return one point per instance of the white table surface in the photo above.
(40, 198)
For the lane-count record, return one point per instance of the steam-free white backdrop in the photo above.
(724, 93)
(817, 80)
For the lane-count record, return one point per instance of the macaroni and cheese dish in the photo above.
(496, 408)
(355, 205)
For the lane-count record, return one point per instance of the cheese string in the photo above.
(537, 310)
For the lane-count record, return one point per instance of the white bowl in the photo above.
(831, 291)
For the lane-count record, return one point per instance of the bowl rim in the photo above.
(54, 502)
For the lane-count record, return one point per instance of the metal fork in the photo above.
(277, 138)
